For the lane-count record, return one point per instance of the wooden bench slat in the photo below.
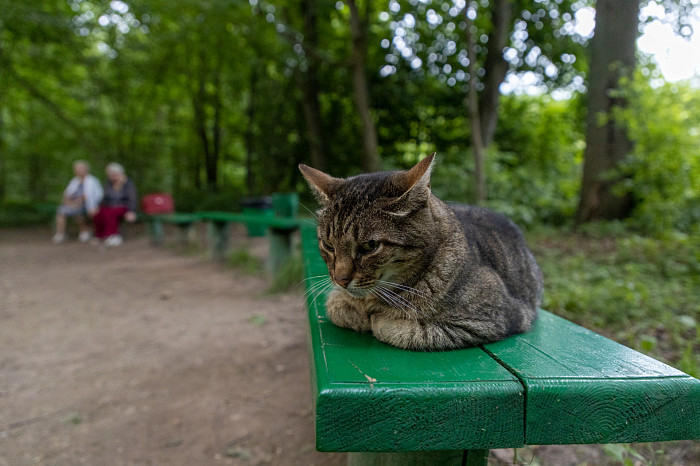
(584, 388)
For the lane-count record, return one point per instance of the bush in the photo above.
(663, 171)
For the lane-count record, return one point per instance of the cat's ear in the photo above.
(415, 183)
(321, 184)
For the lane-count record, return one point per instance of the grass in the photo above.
(243, 260)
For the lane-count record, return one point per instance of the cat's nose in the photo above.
(343, 281)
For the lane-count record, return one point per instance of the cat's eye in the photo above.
(327, 246)
(368, 247)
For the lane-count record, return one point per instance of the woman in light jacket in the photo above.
(81, 198)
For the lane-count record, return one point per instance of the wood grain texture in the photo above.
(584, 388)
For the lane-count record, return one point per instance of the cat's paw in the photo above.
(415, 335)
(343, 314)
(405, 334)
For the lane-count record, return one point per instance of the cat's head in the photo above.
(373, 228)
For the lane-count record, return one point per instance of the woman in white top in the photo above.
(81, 198)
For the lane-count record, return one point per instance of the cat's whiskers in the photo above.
(404, 288)
(400, 302)
(323, 283)
(327, 285)
(309, 210)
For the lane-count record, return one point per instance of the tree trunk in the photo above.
(358, 29)
(496, 68)
(612, 56)
(3, 156)
(249, 133)
(310, 88)
(473, 107)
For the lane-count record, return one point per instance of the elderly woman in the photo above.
(119, 203)
(81, 198)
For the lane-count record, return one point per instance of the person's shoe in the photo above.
(84, 236)
(58, 238)
(114, 240)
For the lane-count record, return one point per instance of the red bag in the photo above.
(157, 203)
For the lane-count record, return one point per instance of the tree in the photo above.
(612, 51)
(512, 36)
(359, 28)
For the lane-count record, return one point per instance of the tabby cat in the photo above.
(415, 272)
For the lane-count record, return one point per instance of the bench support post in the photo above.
(186, 233)
(280, 247)
(218, 239)
(155, 230)
(420, 458)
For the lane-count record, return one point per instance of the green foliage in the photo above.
(663, 171)
(19, 213)
(640, 291)
(533, 172)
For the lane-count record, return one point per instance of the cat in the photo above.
(416, 273)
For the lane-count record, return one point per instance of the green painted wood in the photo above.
(413, 458)
(584, 388)
(373, 397)
(182, 220)
(252, 218)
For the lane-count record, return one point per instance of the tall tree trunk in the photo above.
(472, 100)
(358, 59)
(250, 133)
(3, 156)
(215, 155)
(200, 124)
(310, 88)
(496, 68)
(612, 56)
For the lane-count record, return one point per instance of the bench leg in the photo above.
(186, 233)
(280, 247)
(155, 230)
(218, 240)
(420, 458)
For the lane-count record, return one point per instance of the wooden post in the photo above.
(420, 458)
(218, 240)
(155, 230)
(280, 247)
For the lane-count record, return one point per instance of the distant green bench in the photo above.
(280, 229)
(184, 222)
(558, 384)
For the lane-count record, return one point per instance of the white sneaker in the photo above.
(84, 236)
(114, 240)
(58, 238)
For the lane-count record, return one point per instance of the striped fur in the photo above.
(417, 273)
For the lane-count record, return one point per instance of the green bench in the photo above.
(183, 221)
(280, 233)
(558, 384)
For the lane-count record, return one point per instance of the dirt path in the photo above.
(138, 355)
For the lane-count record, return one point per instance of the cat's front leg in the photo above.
(416, 335)
(348, 312)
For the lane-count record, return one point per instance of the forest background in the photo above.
(217, 100)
